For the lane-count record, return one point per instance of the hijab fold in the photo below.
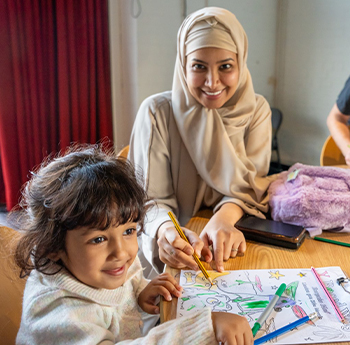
(215, 138)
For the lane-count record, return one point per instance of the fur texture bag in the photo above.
(317, 198)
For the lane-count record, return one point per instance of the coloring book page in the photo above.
(248, 292)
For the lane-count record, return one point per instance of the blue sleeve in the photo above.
(343, 101)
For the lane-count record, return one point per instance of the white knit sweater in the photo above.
(58, 309)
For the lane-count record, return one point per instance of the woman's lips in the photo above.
(213, 95)
(115, 272)
(216, 93)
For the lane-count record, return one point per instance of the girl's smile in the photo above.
(115, 272)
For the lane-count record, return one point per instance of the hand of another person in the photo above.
(347, 157)
(176, 252)
(163, 285)
(220, 232)
(231, 329)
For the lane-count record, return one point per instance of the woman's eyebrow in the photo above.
(226, 60)
(197, 60)
(221, 61)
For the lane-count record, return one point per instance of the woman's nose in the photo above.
(212, 79)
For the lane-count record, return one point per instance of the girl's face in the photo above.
(212, 76)
(101, 259)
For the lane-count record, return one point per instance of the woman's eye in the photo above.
(98, 240)
(198, 66)
(129, 231)
(226, 66)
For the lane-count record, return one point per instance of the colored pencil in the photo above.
(330, 298)
(183, 236)
(331, 241)
(284, 329)
(262, 318)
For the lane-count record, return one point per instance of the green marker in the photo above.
(331, 241)
(262, 318)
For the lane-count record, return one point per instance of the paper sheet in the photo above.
(248, 292)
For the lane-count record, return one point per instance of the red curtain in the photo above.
(54, 82)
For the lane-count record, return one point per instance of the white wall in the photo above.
(298, 56)
(315, 49)
(157, 29)
(123, 52)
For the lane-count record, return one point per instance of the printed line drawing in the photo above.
(248, 292)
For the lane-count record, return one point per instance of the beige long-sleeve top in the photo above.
(171, 177)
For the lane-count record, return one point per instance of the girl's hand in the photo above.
(220, 232)
(231, 329)
(164, 285)
(176, 252)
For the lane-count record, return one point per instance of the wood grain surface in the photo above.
(264, 256)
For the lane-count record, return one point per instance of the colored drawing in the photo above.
(276, 275)
(299, 312)
(248, 292)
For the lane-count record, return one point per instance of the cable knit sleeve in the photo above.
(196, 328)
(49, 319)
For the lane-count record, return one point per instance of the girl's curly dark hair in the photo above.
(86, 186)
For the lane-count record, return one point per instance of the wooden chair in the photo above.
(11, 288)
(124, 152)
(331, 154)
(276, 118)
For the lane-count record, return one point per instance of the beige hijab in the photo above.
(214, 138)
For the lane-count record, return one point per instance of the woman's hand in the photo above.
(163, 285)
(176, 252)
(347, 156)
(220, 232)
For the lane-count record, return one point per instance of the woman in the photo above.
(206, 143)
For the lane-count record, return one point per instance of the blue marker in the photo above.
(284, 329)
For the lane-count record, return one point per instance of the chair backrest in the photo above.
(331, 154)
(11, 288)
(124, 152)
(276, 118)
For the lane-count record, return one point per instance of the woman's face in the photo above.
(212, 76)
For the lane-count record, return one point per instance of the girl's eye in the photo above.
(98, 240)
(130, 231)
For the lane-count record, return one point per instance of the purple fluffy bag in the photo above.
(317, 198)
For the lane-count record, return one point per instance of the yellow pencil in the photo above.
(183, 236)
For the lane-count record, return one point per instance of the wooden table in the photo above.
(264, 256)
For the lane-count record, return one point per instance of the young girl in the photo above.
(83, 211)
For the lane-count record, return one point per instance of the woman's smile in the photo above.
(213, 93)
